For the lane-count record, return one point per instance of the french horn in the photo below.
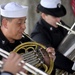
(27, 66)
(35, 54)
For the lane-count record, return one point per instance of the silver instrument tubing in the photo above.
(67, 46)
(27, 66)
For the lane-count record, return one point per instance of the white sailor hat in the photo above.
(52, 7)
(13, 10)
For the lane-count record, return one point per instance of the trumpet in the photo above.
(27, 66)
(72, 31)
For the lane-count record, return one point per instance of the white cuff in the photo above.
(73, 67)
(6, 74)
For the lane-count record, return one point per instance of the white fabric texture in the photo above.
(13, 10)
(50, 3)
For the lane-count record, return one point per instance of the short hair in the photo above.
(2, 17)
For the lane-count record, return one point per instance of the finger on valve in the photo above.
(12, 63)
(51, 52)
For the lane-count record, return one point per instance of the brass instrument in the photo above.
(27, 66)
(59, 24)
(67, 46)
(34, 53)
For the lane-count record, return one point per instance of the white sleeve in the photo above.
(5, 73)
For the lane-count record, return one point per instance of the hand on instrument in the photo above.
(51, 52)
(12, 63)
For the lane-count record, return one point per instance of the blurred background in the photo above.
(33, 16)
